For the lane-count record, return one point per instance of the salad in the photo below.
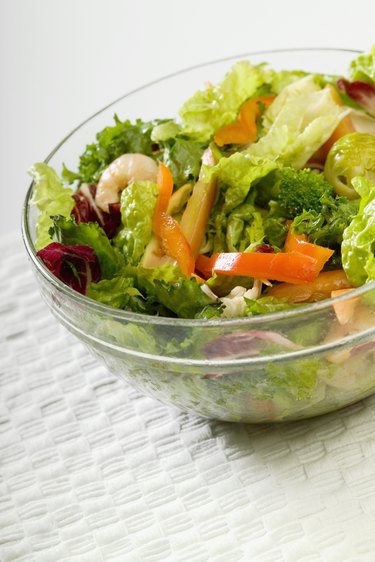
(258, 198)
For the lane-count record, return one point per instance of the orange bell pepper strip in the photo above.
(173, 241)
(319, 289)
(164, 181)
(289, 267)
(244, 130)
(298, 243)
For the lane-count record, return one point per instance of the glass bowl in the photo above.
(284, 366)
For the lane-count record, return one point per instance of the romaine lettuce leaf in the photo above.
(363, 67)
(297, 123)
(237, 174)
(137, 207)
(66, 231)
(208, 110)
(357, 248)
(51, 198)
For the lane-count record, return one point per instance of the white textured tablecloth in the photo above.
(92, 470)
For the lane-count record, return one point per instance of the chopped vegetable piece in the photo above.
(167, 228)
(244, 130)
(76, 265)
(319, 289)
(86, 210)
(343, 128)
(289, 267)
(203, 265)
(361, 92)
(195, 217)
(298, 243)
(344, 309)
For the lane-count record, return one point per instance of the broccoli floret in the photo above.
(301, 190)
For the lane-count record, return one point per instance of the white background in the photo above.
(62, 60)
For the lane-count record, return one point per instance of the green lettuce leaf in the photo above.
(208, 110)
(111, 143)
(165, 131)
(312, 332)
(266, 305)
(66, 231)
(363, 67)
(357, 248)
(326, 227)
(183, 158)
(275, 231)
(130, 336)
(299, 378)
(244, 229)
(237, 175)
(51, 198)
(284, 78)
(168, 286)
(137, 207)
(118, 292)
(297, 123)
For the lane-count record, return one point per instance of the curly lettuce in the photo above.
(51, 198)
(363, 67)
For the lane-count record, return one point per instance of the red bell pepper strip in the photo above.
(173, 241)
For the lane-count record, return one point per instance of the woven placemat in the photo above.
(92, 470)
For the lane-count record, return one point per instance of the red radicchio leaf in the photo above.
(76, 265)
(265, 249)
(245, 344)
(361, 92)
(86, 210)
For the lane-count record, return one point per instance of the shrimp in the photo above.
(122, 171)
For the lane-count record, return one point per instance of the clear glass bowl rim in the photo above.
(144, 318)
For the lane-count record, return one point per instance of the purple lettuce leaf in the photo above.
(86, 210)
(75, 265)
(361, 92)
